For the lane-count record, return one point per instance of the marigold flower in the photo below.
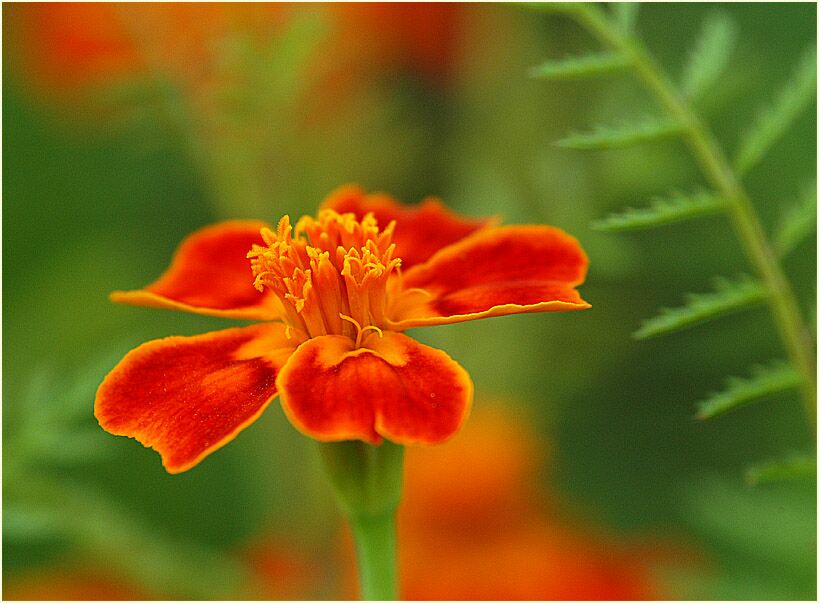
(337, 291)
(73, 49)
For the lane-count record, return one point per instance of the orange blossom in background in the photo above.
(474, 524)
(72, 49)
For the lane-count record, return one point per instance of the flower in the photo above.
(72, 50)
(337, 292)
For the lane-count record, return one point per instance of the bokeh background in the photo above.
(582, 473)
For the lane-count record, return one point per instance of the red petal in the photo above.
(394, 388)
(498, 271)
(185, 397)
(210, 274)
(420, 230)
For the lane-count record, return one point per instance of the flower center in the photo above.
(329, 274)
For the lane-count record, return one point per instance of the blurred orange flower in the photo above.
(281, 569)
(73, 49)
(338, 291)
(474, 526)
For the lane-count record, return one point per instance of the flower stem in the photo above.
(367, 482)
(795, 335)
(375, 548)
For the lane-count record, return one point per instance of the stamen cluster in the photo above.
(329, 274)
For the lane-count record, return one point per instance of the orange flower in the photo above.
(282, 570)
(506, 542)
(338, 292)
(72, 49)
(474, 525)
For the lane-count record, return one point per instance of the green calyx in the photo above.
(367, 481)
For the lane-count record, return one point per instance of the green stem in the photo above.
(375, 547)
(795, 335)
(367, 482)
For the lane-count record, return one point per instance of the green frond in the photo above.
(797, 223)
(581, 66)
(773, 122)
(609, 137)
(710, 55)
(663, 210)
(728, 297)
(625, 15)
(775, 378)
(796, 466)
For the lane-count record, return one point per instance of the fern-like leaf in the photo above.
(609, 137)
(764, 381)
(580, 66)
(710, 55)
(663, 210)
(625, 14)
(727, 297)
(773, 122)
(797, 223)
(794, 467)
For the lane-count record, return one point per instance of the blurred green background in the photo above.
(103, 177)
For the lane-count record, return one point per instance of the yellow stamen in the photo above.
(359, 331)
(330, 273)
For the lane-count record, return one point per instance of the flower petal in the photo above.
(420, 230)
(210, 274)
(395, 388)
(185, 397)
(497, 271)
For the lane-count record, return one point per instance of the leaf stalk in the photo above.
(795, 336)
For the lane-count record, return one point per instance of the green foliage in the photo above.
(708, 61)
(99, 528)
(662, 211)
(23, 522)
(53, 425)
(728, 296)
(710, 55)
(614, 137)
(794, 467)
(580, 66)
(625, 13)
(278, 69)
(775, 378)
(551, 7)
(763, 542)
(797, 223)
(773, 122)
(53, 429)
